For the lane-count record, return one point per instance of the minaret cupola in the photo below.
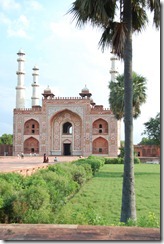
(85, 92)
(47, 94)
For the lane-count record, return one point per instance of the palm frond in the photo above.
(96, 12)
(119, 39)
(107, 36)
(154, 6)
(139, 17)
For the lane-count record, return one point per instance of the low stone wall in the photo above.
(149, 159)
(52, 232)
(28, 171)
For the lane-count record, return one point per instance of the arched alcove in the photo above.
(100, 146)
(31, 127)
(100, 126)
(31, 145)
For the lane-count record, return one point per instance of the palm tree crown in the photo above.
(116, 98)
(108, 15)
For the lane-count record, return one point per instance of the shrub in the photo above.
(16, 180)
(35, 180)
(100, 159)
(60, 187)
(114, 160)
(88, 170)
(137, 161)
(60, 169)
(86, 166)
(78, 174)
(30, 205)
(7, 196)
(94, 161)
(95, 165)
(119, 160)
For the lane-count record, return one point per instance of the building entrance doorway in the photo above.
(67, 149)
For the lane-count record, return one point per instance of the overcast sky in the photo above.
(67, 57)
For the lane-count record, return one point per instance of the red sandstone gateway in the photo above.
(62, 125)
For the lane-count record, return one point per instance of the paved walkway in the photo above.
(11, 163)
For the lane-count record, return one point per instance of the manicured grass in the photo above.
(99, 200)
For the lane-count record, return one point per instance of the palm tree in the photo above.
(118, 35)
(116, 98)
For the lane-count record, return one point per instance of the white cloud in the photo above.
(62, 29)
(35, 5)
(17, 27)
(9, 5)
(23, 21)
(4, 19)
(17, 33)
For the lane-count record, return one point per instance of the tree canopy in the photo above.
(109, 16)
(152, 129)
(6, 139)
(116, 97)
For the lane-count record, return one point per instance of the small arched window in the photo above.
(100, 125)
(67, 128)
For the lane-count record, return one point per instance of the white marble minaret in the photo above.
(113, 70)
(20, 88)
(35, 87)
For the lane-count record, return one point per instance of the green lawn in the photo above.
(99, 200)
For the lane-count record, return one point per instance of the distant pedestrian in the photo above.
(22, 155)
(45, 158)
(55, 159)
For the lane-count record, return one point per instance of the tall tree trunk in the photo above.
(128, 209)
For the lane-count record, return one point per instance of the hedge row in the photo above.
(36, 198)
(95, 162)
(119, 160)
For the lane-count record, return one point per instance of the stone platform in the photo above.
(44, 232)
(28, 165)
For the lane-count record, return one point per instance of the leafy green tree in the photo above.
(116, 98)
(153, 129)
(6, 139)
(131, 17)
(147, 141)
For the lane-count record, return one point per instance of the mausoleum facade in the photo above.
(62, 125)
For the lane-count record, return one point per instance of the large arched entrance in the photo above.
(100, 146)
(66, 131)
(31, 145)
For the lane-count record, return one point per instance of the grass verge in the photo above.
(99, 200)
